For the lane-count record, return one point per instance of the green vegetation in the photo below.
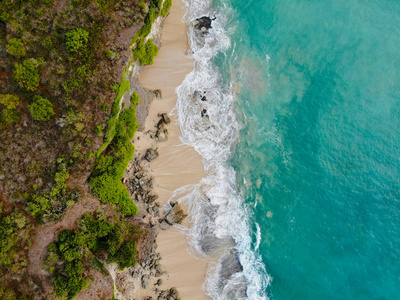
(166, 6)
(153, 13)
(9, 101)
(135, 99)
(111, 55)
(16, 235)
(41, 109)
(110, 167)
(63, 59)
(77, 39)
(8, 112)
(26, 75)
(73, 251)
(125, 256)
(11, 234)
(16, 48)
(8, 117)
(51, 206)
(145, 53)
(115, 109)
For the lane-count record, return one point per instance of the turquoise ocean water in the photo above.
(294, 106)
(317, 160)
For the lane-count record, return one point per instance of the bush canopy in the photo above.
(26, 75)
(41, 109)
(76, 39)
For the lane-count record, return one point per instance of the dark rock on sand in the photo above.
(162, 135)
(175, 215)
(151, 154)
(159, 282)
(145, 279)
(164, 225)
(165, 118)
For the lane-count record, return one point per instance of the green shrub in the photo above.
(125, 257)
(145, 53)
(69, 287)
(108, 170)
(51, 206)
(148, 21)
(26, 75)
(121, 89)
(75, 249)
(16, 48)
(157, 3)
(10, 236)
(41, 109)
(5, 17)
(76, 39)
(111, 190)
(73, 268)
(8, 117)
(135, 98)
(9, 101)
(166, 6)
(47, 43)
(98, 130)
(111, 55)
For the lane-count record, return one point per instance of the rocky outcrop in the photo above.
(174, 216)
(151, 154)
(203, 23)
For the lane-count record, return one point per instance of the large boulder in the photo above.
(203, 22)
(175, 215)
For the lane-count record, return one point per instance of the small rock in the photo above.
(151, 154)
(165, 118)
(159, 282)
(162, 135)
(164, 225)
(145, 279)
(157, 93)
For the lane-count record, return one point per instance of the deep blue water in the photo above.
(318, 156)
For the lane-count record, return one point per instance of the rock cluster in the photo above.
(169, 294)
(174, 216)
(139, 183)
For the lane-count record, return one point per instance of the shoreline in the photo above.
(178, 165)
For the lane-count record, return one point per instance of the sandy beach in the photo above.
(178, 164)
